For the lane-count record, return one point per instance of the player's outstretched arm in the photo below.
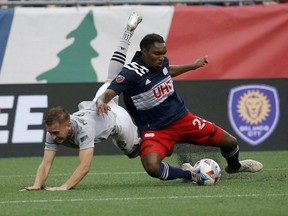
(83, 168)
(42, 171)
(102, 106)
(176, 70)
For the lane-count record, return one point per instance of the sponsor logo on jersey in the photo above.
(155, 96)
(82, 121)
(163, 89)
(120, 78)
(253, 112)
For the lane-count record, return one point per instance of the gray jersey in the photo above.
(89, 128)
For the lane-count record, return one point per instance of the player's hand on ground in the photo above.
(102, 109)
(201, 61)
(56, 188)
(30, 188)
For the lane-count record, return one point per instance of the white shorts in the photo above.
(126, 135)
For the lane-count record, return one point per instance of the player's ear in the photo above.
(144, 51)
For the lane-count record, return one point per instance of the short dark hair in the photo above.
(56, 114)
(148, 41)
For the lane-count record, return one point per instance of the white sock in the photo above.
(119, 56)
(127, 35)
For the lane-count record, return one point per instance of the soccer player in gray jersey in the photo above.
(84, 128)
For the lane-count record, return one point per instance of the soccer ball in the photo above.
(206, 172)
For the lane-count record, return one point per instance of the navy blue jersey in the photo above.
(149, 94)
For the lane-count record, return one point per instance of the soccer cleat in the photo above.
(246, 166)
(186, 167)
(133, 21)
(189, 167)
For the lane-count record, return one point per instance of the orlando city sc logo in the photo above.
(253, 112)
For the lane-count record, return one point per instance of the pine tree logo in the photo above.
(75, 60)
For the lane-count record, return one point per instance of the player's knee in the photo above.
(228, 142)
(151, 168)
(232, 141)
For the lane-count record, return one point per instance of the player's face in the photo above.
(154, 56)
(60, 131)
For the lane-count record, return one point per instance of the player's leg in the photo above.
(126, 135)
(152, 152)
(230, 151)
(119, 56)
(229, 147)
(206, 133)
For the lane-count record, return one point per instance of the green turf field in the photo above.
(117, 185)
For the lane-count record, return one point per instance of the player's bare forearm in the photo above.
(41, 176)
(42, 171)
(103, 100)
(176, 70)
(76, 177)
(85, 158)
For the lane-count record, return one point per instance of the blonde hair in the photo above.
(56, 114)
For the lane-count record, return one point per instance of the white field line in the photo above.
(65, 174)
(109, 173)
(143, 198)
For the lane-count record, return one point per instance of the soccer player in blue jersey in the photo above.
(161, 114)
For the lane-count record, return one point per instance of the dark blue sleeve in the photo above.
(125, 80)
